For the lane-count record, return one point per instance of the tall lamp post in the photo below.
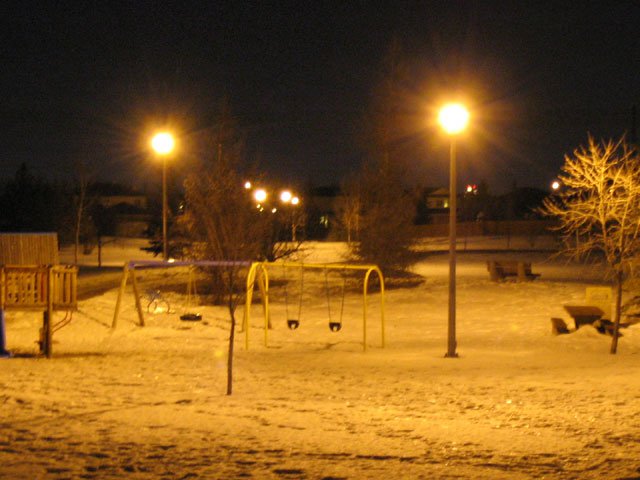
(163, 143)
(288, 198)
(453, 118)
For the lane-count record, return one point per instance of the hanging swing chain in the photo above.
(301, 291)
(326, 288)
(286, 296)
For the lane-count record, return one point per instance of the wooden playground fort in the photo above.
(32, 279)
(257, 273)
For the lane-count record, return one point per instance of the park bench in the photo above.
(499, 270)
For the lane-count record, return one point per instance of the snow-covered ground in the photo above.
(149, 402)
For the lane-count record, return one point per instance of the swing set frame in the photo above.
(258, 272)
(263, 282)
(129, 271)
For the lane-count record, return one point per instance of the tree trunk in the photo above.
(618, 309)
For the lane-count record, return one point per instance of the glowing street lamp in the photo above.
(555, 185)
(260, 195)
(285, 196)
(163, 144)
(453, 118)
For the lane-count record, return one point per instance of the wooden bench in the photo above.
(499, 270)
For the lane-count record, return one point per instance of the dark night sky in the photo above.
(89, 80)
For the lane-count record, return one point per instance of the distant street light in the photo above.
(285, 196)
(260, 195)
(453, 118)
(555, 185)
(163, 144)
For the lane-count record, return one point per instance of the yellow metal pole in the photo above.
(123, 284)
(263, 284)
(251, 277)
(136, 293)
(382, 324)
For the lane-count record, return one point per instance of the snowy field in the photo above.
(149, 402)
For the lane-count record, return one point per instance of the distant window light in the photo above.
(324, 221)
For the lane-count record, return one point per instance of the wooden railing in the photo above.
(26, 287)
(38, 287)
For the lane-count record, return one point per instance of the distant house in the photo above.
(321, 208)
(437, 201)
(140, 202)
(130, 214)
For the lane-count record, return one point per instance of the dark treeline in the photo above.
(31, 204)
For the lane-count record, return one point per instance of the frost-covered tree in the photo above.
(599, 210)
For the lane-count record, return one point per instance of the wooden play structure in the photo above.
(32, 279)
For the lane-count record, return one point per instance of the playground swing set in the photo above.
(154, 296)
(258, 272)
(293, 323)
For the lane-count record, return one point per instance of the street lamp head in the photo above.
(162, 143)
(453, 118)
(260, 195)
(555, 185)
(295, 201)
(285, 196)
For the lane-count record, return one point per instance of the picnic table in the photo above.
(584, 314)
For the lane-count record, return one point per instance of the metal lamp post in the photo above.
(163, 143)
(453, 118)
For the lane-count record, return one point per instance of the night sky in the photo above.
(90, 80)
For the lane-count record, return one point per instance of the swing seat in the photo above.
(191, 317)
(293, 323)
(335, 326)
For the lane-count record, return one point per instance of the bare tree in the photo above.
(385, 219)
(599, 210)
(377, 203)
(349, 210)
(81, 204)
(225, 225)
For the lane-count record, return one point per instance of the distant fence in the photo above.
(29, 249)
(490, 228)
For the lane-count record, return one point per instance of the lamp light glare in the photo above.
(260, 195)
(285, 196)
(454, 118)
(163, 143)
